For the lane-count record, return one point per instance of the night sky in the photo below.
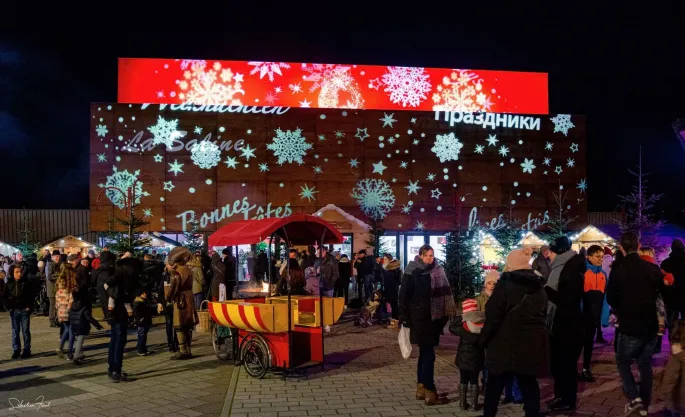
(623, 69)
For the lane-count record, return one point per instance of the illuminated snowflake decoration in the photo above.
(164, 132)
(406, 85)
(289, 146)
(375, 197)
(267, 68)
(101, 130)
(307, 192)
(216, 85)
(562, 123)
(582, 185)
(205, 154)
(447, 147)
(188, 63)
(527, 165)
(118, 185)
(461, 91)
(337, 88)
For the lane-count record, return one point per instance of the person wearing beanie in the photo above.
(52, 271)
(470, 357)
(542, 262)
(564, 290)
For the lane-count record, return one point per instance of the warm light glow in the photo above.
(265, 287)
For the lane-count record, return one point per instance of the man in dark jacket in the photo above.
(326, 268)
(392, 278)
(632, 292)
(675, 264)
(100, 276)
(52, 269)
(542, 264)
(230, 263)
(18, 299)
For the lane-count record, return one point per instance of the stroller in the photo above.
(376, 310)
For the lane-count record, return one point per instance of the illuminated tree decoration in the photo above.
(205, 154)
(406, 85)
(562, 123)
(461, 91)
(123, 181)
(267, 68)
(289, 146)
(216, 85)
(447, 147)
(375, 197)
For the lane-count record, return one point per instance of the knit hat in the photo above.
(56, 252)
(491, 276)
(517, 259)
(470, 305)
(607, 251)
(560, 245)
(72, 257)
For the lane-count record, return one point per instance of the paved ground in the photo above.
(365, 376)
(158, 386)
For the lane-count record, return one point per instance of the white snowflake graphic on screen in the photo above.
(375, 197)
(337, 88)
(406, 85)
(527, 165)
(213, 85)
(118, 185)
(164, 132)
(187, 63)
(447, 147)
(101, 130)
(461, 91)
(267, 68)
(205, 154)
(562, 123)
(289, 146)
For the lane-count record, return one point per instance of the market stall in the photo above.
(6, 249)
(591, 235)
(70, 244)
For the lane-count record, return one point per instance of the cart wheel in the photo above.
(222, 342)
(255, 357)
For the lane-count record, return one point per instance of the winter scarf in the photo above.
(593, 268)
(442, 302)
(557, 265)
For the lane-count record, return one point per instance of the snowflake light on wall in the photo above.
(447, 147)
(101, 130)
(461, 91)
(164, 132)
(123, 181)
(205, 154)
(337, 88)
(375, 197)
(267, 68)
(406, 85)
(216, 85)
(289, 146)
(562, 123)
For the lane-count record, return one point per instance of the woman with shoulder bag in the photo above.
(181, 298)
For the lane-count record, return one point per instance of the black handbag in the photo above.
(455, 325)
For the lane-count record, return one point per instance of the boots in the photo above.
(420, 392)
(474, 391)
(432, 398)
(463, 391)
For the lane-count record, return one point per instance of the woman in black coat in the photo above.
(516, 340)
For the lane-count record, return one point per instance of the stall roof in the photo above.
(7, 249)
(300, 229)
(164, 239)
(68, 241)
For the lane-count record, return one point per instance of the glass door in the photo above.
(412, 244)
(438, 245)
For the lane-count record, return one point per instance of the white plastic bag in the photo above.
(222, 292)
(405, 344)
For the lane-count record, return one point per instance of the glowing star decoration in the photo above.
(102, 157)
(295, 88)
(205, 154)
(582, 185)
(503, 150)
(406, 209)
(562, 123)
(322, 138)
(307, 192)
(492, 140)
(248, 152)
(267, 69)
(546, 161)
(412, 120)
(101, 130)
(289, 146)
(175, 167)
(447, 147)
(354, 163)
(168, 186)
(430, 177)
(147, 212)
(558, 170)
(215, 85)
(387, 119)
(119, 184)
(263, 167)
(305, 104)
(461, 91)
(574, 147)
(318, 170)
(436, 194)
(527, 166)
(158, 158)
(378, 168)
(420, 226)
(198, 130)
(375, 197)
(404, 164)
(479, 149)
(361, 134)
(549, 146)
(339, 134)
(334, 82)
(231, 162)
(406, 85)
(164, 132)
(570, 163)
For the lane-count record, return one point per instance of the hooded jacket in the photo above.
(392, 279)
(564, 291)
(594, 285)
(328, 268)
(675, 264)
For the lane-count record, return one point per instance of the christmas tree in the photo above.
(133, 238)
(559, 221)
(639, 203)
(375, 242)
(27, 242)
(462, 264)
(194, 240)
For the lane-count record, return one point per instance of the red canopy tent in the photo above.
(298, 229)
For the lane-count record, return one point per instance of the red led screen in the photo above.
(250, 83)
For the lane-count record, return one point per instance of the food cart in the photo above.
(274, 332)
